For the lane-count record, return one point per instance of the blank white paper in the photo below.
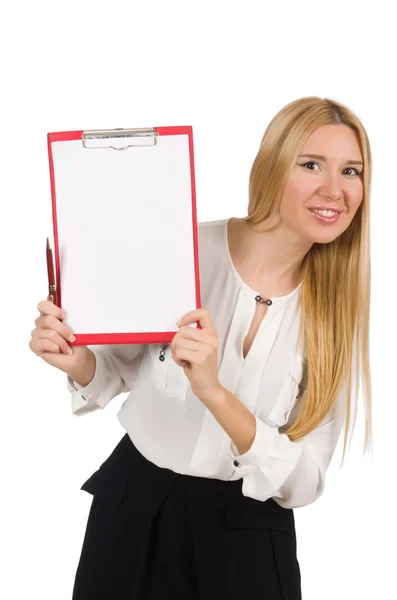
(125, 235)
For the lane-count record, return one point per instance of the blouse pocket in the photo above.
(289, 392)
(167, 377)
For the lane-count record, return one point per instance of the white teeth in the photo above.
(326, 213)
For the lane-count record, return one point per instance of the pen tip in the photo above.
(48, 244)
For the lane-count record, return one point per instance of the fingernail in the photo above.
(64, 316)
(178, 322)
(72, 338)
(70, 351)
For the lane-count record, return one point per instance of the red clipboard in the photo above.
(153, 184)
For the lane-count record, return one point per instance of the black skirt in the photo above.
(154, 534)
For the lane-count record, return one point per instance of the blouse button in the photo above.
(236, 463)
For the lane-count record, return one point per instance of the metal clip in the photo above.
(117, 138)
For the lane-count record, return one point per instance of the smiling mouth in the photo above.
(337, 210)
(325, 219)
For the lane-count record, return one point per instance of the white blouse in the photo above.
(172, 428)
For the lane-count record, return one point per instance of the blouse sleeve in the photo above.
(116, 369)
(290, 472)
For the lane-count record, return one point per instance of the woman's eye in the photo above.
(311, 162)
(353, 169)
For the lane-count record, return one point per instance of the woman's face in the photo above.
(333, 180)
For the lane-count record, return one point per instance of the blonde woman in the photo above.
(232, 426)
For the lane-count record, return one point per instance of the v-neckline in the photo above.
(277, 301)
(255, 336)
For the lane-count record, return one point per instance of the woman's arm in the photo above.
(272, 466)
(84, 372)
(114, 369)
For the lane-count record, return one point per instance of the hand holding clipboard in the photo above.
(51, 337)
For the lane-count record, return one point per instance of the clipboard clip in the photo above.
(117, 138)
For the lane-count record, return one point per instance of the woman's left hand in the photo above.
(196, 350)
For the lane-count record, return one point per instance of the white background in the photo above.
(225, 68)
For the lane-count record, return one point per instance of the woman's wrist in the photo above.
(84, 371)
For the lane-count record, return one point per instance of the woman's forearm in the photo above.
(84, 371)
(231, 414)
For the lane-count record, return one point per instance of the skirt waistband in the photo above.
(126, 466)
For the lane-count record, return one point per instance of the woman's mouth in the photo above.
(325, 218)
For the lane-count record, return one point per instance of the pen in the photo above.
(52, 288)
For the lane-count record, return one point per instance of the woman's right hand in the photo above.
(50, 339)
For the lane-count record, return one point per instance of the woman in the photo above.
(232, 426)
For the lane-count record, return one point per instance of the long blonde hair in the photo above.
(335, 291)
